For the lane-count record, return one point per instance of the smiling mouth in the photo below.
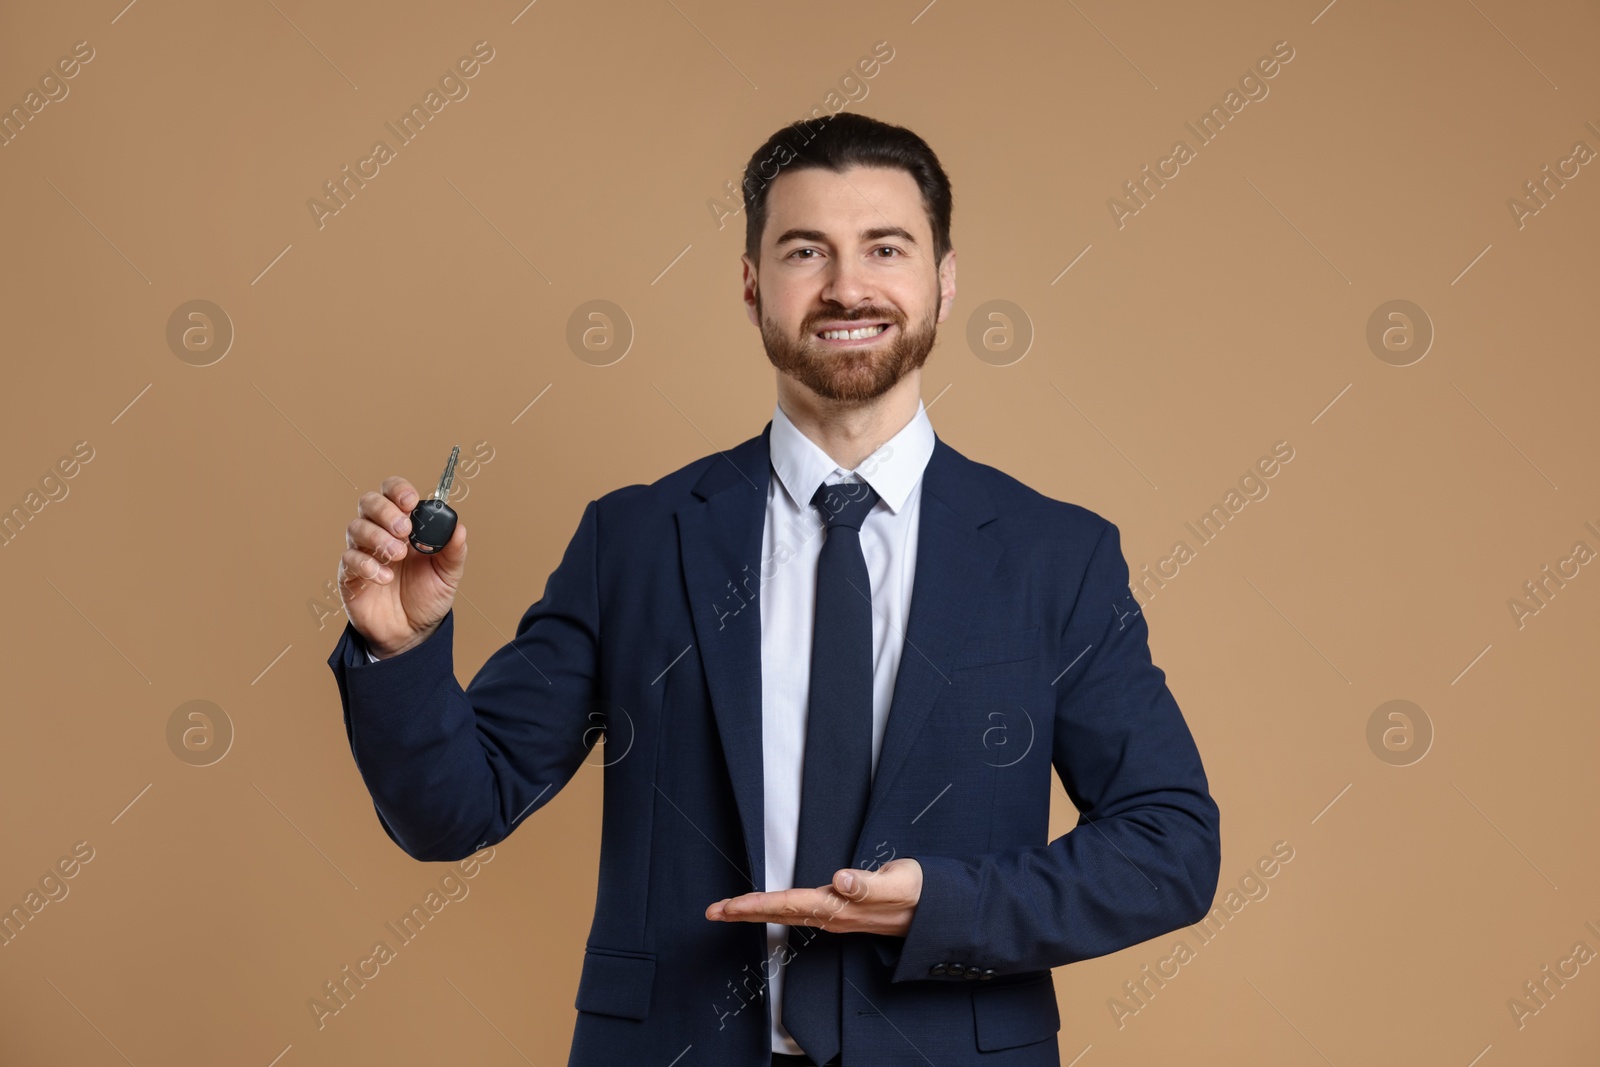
(862, 334)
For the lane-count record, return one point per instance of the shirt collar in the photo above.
(892, 471)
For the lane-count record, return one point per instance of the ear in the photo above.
(750, 290)
(947, 288)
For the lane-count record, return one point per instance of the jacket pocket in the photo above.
(1015, 1014)
(616, 982)
(1007, 647)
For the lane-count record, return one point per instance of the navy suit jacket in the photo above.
(1025, 652)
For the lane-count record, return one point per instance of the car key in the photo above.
(432, 520)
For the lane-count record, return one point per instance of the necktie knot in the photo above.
(844, 503)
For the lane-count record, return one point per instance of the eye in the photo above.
(888, 248)
(797, 251)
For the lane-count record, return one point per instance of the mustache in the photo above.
(814, 323)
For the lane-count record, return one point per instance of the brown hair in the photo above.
(836, 143)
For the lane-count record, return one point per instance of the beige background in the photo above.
(189, 556)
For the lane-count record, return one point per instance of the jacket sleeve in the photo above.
(452, 771)
(1144, 857)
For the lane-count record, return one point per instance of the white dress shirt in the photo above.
(792, 540)
(795, 531)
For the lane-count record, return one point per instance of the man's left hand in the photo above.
(857, 901)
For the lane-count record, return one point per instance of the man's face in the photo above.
(847, 251)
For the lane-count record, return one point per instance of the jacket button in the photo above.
(973, 971)
(937, 968)
(987, 974)
(953, 969)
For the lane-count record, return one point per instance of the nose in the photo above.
(848, 283)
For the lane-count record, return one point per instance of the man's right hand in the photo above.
(394, 595)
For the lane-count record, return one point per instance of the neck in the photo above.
(850, 431)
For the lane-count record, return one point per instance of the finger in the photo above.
(455, 548)
(374, 540)
(382, 509)
(851, 884)
(402, 492)
(356, 568)
(763, 906)
(791, 907)
(748, 903)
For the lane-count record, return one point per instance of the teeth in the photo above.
(853, 335)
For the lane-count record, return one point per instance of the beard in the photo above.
(852, 375)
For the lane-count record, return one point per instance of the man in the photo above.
(838, 663)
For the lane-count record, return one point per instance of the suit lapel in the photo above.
(955, 565)
(719, 542)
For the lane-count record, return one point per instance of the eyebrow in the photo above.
(875, 234)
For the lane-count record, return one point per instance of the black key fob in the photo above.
(432, 520)
(432, 523)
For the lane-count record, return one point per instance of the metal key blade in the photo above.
(443, 492)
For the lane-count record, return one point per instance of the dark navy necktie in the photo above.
(837, 773)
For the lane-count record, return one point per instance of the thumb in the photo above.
(852, 884)
(452, 558)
